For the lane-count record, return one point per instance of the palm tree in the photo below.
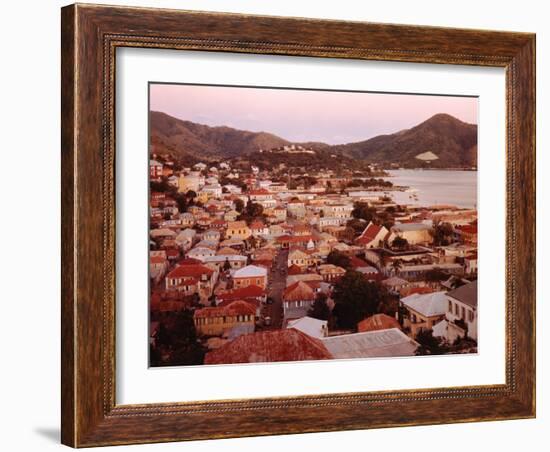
(396, 265)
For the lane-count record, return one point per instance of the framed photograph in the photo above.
(281, 225)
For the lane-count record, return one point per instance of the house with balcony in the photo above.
(461, 316)
(191, 279)
(424, 311)
(217, 321)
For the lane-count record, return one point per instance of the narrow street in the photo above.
(277, 284)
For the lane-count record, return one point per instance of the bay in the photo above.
(431, 187)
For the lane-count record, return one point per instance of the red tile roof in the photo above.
(259, 191)
(190, 271)
(269, 346)
(168, 306)
(189, 261)
(238, 307)
(298, 291)
(257, 225)
(294, 239)
(251, 291)
(262, 262)
(253, 303)
(377, 322)
(369, 234)
(302, 228)
(294, 270)
(468, 228)
(157, 260)
(355, 262)
(172, 253)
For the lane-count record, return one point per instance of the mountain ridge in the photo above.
(454, 142)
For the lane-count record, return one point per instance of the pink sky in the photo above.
(303, 115)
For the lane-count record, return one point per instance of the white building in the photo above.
(461, 316)
(185, 239)
(414, 233)
(200, 252)
(424, 311)
(212, 191)
(338, 210)
(310, 326)
(371, 344)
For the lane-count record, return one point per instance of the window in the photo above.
(470, 316)
(463, 313)
(450, 306)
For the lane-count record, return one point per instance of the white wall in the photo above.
(29, 389)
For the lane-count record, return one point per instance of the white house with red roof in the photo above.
(373, 236)
(185, 278)
(250, 275)
(258, 228)
(260, 194)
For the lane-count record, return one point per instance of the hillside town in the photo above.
(264, 265)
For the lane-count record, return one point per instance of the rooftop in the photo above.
(371, 344)
(190, 271)
(310, 326)
(377, 322)
(251, 291)
(466, 294)
(238, 307)
(298, 291)
(429, 305)
(403, 227)
(250, 271)
(269, 346)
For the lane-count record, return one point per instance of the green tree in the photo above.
(400, 243)
(429, 344)
(319, 309)
(338, 258)
(254, 210)
(184, 349)
(239, 205)
(182, 202)
(362, 211)
(161, 186)
(442, 233)
(357, 225)
(435, 275)
(251, 212)
(355, 298)
(397, 265)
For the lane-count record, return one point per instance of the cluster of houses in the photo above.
(251, 283)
